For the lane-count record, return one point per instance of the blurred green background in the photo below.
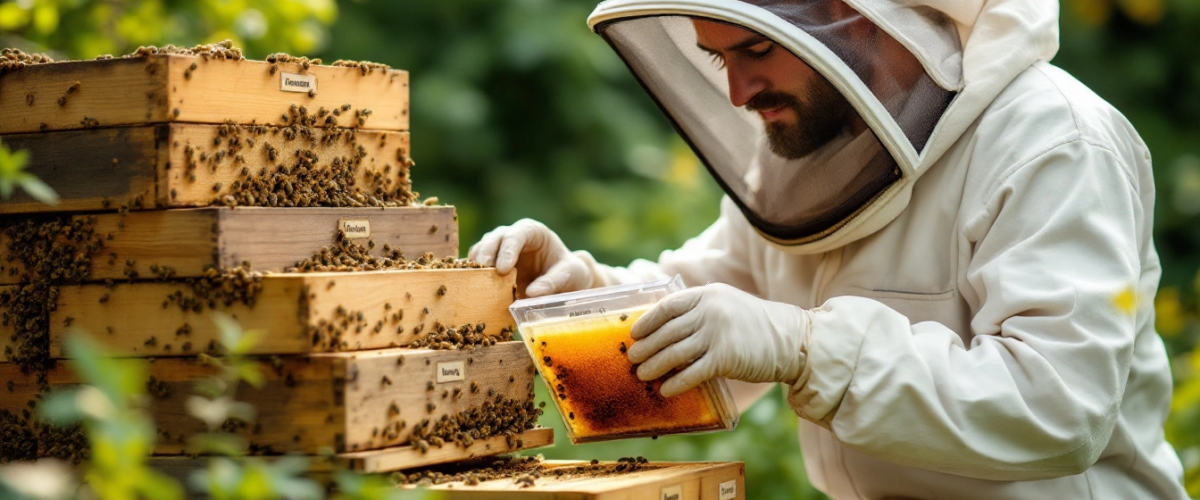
(519, 111)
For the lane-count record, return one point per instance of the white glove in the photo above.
(723, 332)
(543, 263)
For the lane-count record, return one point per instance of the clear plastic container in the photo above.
(578, 341)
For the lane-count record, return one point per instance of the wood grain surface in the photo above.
(334, 401)
(165, 88)
(146, 167)
(189, 241)
(138, 320)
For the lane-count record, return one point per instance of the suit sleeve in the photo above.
(1035, 394)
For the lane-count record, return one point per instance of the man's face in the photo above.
(800, 109)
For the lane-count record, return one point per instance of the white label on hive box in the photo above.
(292, 82)
(450, 371)
(355, 228)
(727, 490)
(672, 492)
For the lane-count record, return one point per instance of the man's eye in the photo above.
(760, 50)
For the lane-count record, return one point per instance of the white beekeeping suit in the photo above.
(938, 274)
(966, 325)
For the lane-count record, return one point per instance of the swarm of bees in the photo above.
(220, 50)
(226, 287)
(52, 252)
(498, 417)
(25, 437)
(364, 67)
(300, 178)
(15, 59)
(498, 468)
(346, 256)
(523, 470)
(467, 336)
(304, 62)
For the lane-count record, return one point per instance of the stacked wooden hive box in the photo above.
(277, 192)
(192, 182)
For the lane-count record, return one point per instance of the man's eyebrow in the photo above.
(753, 40)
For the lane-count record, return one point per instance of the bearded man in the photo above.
(925, 229)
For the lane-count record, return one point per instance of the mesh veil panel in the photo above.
(790, 149)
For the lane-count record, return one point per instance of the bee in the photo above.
(29, 98)
(175, 112)
(274, 68)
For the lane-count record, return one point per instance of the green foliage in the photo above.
(88, 28)
(231, 476)
(13, 175)
(111, 407)
(120, 434)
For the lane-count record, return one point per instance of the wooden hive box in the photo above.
(190, 241)
(190, 165)
(300, 312)
(344, 402)
(656, 480)
(192, 89)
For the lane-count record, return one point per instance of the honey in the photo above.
(583, 361)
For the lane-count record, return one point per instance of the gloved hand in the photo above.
(724, 332)
(543, 263)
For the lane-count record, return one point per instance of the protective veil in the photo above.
(862, 120)
(959, 236)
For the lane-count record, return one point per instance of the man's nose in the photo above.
(743, 86)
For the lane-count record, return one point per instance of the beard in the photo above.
(818, 121)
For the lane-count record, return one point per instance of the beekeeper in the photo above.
(939, 242)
